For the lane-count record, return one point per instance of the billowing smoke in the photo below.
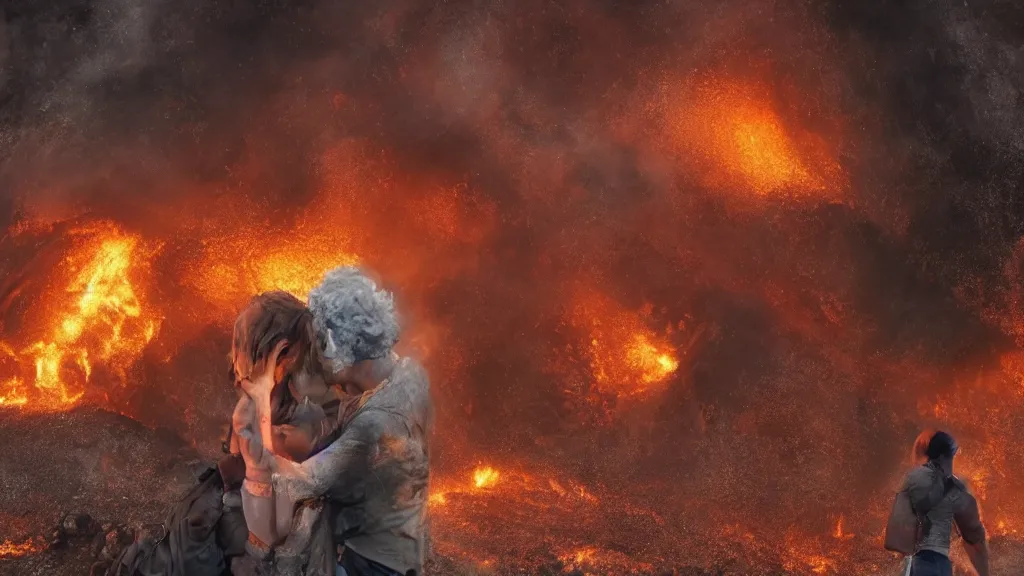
(807, 212)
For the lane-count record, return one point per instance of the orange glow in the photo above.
(652, 364)
(625, 355)
(735, 131)
(231, 270)
(485, 477)
(594, 560)
(807, 555)
(96, 318)
(11, 394)
(9, 549)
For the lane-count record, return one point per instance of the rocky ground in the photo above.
(63, 476)
(75, 485)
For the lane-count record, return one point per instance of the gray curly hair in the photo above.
(354, 320)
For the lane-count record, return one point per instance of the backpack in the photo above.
(186, 543)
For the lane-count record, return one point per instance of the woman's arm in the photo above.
(343, 463)
(267, 514)
(258, 506)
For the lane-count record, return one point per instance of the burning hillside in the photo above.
(688, 279)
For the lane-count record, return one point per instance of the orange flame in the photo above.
(98, 318)
(625, 354)
(11, 395)
(839, 533)
(652, 364)
(485, 477)
(10, 549)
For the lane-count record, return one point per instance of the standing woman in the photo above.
(941, 501)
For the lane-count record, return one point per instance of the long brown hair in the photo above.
(270, 318)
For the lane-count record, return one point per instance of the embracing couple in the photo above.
(328, 467)
(332, 427)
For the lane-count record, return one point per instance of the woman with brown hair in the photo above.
(373, 478)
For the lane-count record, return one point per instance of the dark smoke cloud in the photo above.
(123, 108)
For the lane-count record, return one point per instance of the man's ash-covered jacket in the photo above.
(375, 475)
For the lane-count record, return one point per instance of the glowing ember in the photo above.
(96, 317)
(9, 549)
(653, 365)
(485, 477)
(807, 554)
(592, 561)
(579, 558)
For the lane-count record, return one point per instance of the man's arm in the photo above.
(343, 463)
(967, 516)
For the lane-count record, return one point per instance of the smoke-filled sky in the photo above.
(517, 169)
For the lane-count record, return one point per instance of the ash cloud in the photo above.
(124, 108)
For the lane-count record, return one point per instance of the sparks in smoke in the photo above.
(229, 271)
(743, 143)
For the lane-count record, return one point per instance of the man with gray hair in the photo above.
(375, 474)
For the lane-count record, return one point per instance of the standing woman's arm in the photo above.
(967, 516)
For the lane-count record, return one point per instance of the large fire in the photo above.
(91, 316)
(632, 376)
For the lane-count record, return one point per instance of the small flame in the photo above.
(485, 477)
(626, 356)
(10, 393)
(839, 533)
(10, 549)
(579, 558)
(653, 364)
